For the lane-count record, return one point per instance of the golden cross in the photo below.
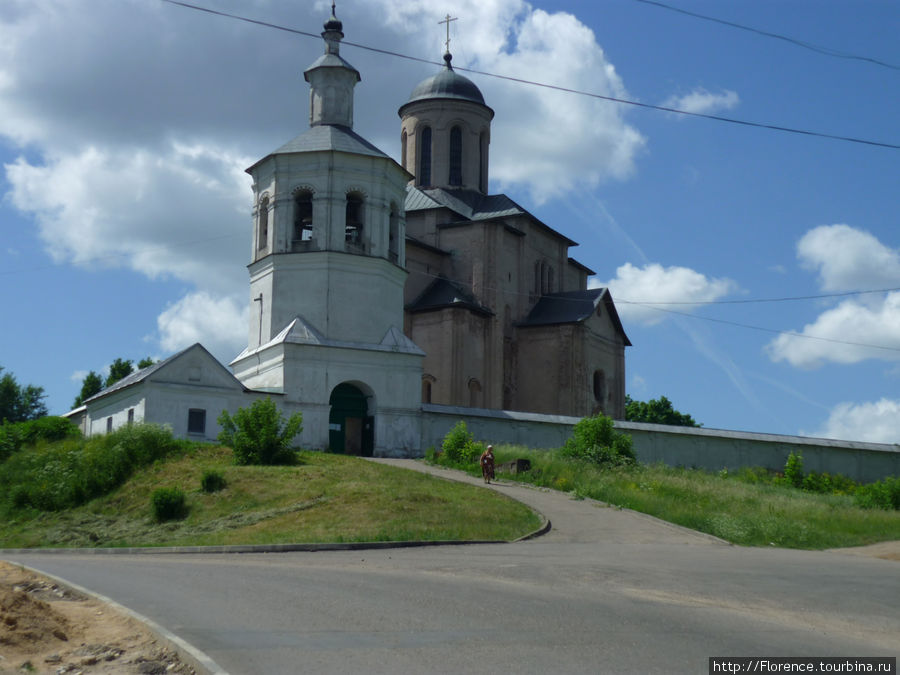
(447, 21)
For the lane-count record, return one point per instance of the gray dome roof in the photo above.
(447, 84)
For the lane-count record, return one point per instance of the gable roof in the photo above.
(572, 307)
(442, 294)
(141, 375)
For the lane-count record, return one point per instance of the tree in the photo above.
(259, 434)
(92, 384)
(146, 362)
(120, 368)
(20, 403)
(656, 411)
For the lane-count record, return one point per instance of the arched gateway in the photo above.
(350, 422)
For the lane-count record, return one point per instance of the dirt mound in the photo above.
(45, 628)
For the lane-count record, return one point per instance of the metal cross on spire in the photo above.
(447, 21)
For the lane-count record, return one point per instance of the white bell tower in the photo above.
(326, 277)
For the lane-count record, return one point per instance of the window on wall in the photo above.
(303, 216)
(263, 223)
(109, 419)
(456, 156)
(394, 234)
(426, 388)
(131, 416)
(474, 393)
(403, 149)
(424, 172)
(196, 421)
(599, 386)
(482, 161)
(354, 223)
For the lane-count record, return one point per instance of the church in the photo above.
(382, 291)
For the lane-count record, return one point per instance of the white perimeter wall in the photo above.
(710, 449)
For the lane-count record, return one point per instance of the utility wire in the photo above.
(387, 52)
(828, 51)
(777, 331)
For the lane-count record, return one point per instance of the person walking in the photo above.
(487, 464)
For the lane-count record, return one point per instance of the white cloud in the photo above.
(848, 258)
(875, 321)
(636, 289)
(703, 102)
(550, 142)
(219, 323)
(874, 422)
(172, 211)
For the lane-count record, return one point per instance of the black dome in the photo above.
(447, 84)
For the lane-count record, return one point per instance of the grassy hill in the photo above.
(324, 498)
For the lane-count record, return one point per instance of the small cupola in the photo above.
(331, 79)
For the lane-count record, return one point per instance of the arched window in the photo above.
(303, 216)
(403, 149)
(427, 381)
(455, 156)
(474, 393)
(537, 277)
(424, 172)
(394, 235)
(353, 226)
(263, 219)
(483, 161)
(599, 386)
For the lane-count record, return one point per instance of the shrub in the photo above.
(595, 440)
(793, 470)
(454, 444)
(259, 434)
(68, 473)
(212, 481)
(168, 504)
(16, 435)
(883, 494)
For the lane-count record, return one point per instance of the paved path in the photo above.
(606, 591)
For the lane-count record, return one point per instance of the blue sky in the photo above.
(125, 126)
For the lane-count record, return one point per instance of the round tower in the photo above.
(445, 132)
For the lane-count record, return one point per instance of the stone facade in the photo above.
(502, 312)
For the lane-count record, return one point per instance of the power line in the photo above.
(758, 300)
(828, 51)
(775, 330)
(579, 92)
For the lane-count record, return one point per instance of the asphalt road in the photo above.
(605, 591)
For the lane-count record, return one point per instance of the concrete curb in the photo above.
(187, 652)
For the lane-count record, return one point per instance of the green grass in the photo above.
(324, 498)
(750, 514)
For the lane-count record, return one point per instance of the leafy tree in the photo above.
(259, 434)
(92, 384)
(656, 411)
(20, 403)
(119, 369)
(146, 362)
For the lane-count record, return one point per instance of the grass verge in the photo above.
(324, 498)
(750, 514)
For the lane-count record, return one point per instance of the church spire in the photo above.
(331, 80)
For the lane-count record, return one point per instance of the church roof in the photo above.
(442, 294)
(472, 205)
(447, 84)
(324, 138)
(572, 307)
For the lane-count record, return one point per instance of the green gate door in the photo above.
(350, 427)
